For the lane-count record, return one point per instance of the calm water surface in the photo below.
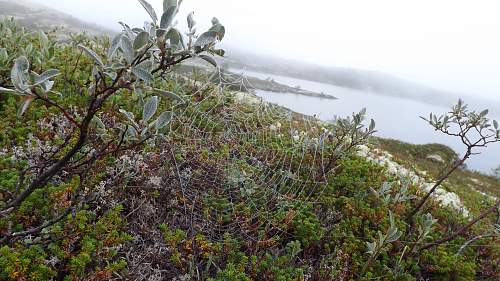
(395, 117)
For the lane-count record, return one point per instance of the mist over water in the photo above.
(448, 44)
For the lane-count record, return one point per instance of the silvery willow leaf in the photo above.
(47, 75)
(115, 43)
(111, 74)
(206, 38)
(92, 54)
(19, 73)
(190, 20)
(163, 120)
(372, 125)
(160, 33)
(149, 9)
(174, 36)
(5, 90)
(371, 247)
(4, 56)
(24, 105)
(170, 95)
(168, 17)
(98, 122)
(219, 29)
(141, 40)
(168, 4)
(128, 49)
(142, 74)
(48, 85)
(131, 132)
(150, 108)
(44, 40)
(130, 117)
(209, 59)
(220, 52)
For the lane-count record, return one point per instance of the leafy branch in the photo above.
(135, 58)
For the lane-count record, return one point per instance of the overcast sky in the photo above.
(447, 44)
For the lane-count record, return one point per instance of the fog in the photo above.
(448, 44)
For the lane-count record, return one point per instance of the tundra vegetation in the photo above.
(496, 172)
(113, 166)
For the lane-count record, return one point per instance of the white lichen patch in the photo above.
(445, 198)
(246, 98)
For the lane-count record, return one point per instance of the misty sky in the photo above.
(447, 44)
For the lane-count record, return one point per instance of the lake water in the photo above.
(396, 118)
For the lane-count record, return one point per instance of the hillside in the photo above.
(36, 16)
(116, 166)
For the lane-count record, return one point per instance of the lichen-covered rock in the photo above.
(445, 198)
(435, 158)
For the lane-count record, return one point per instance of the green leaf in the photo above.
(168, 4)
(111, 74)
(219, 29)
(169, 95)
(97, 122)
(163, 120)
(220, 52)
(19, 73)
(160, 33)
(371, 246)
(7, 91)
(24, 105)
(91, 54)
(4, 56)
(132, 132)
(44, 77)
(143, 74)
(150, 108)
(372, 125)
(190, 20)
(484, 113)
(141, 40)
(495, 124)
(128, 49)
(137, 30)
(209, 59)
(174, 36)
(206, 38)
(44, 40)
(394, 236)
(149, 9)
(47, 87)
(168, 17)
(381, 238)
(115, 43)
(130, 117)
